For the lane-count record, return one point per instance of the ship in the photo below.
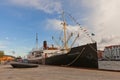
(35, 54)
(84, 56)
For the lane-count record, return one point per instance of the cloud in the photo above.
(102, 17)
(48, 6)
(105, 19)
(53, 24)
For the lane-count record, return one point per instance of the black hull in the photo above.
(82, 56)
(23, 65)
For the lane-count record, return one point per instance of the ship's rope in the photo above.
(75, 58)
(93, 48)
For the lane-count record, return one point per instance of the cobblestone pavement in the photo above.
(55, 73)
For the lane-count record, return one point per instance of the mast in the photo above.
(36, 40)
(65, 36)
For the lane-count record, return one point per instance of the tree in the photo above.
(1, 53)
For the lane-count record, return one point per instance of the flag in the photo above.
(92, 34)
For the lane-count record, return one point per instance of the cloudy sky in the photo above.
(20, 20)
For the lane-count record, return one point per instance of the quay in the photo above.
(44, 72)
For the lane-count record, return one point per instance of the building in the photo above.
(112, 52)
(6, 58)
(100, 54)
